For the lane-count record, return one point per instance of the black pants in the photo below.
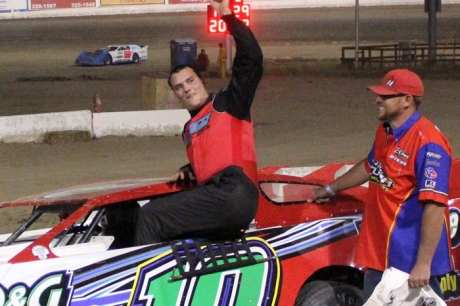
(220, 209)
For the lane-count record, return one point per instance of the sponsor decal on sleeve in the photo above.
(433, 155)
(430, 173)
(434, 163)
(430, 184)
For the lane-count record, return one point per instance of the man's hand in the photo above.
(419, 276)
(319, 195)
(221, 6)
(356, 176)
(184, 178)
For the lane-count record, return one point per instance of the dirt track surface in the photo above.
(300, 120)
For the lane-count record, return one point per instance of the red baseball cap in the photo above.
(399, 81)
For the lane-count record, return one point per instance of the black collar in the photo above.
(209, 99)
(388, 128)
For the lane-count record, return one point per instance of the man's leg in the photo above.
(371, 279)
(175, 215)
(218, 210)
(434, 284)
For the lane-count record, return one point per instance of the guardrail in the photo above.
(401, 54)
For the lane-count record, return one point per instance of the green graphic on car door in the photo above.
(244, 272)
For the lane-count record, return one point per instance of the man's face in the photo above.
(189, 88)
(391, 108)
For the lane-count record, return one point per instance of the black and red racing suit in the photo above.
(220, 147)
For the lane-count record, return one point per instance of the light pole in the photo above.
(432, 9)
(356, 33)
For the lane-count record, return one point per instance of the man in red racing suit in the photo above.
(220, 147)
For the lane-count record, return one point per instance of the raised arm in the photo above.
(247, 65)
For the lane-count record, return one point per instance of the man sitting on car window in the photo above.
(220, 147)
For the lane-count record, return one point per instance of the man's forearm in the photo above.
(356, 176)
(245, 40)
(432, 226)
(246, 70)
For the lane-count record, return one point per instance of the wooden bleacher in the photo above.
(402, 54)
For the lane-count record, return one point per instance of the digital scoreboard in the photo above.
(217, 25)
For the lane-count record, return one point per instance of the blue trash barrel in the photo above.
(183, 51)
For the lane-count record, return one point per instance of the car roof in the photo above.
(111, 191)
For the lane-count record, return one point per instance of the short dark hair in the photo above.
(181, 67)
(417, 100)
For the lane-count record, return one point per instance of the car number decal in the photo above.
(258, 283)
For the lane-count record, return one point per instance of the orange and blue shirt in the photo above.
(407, 166)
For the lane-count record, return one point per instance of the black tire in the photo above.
(135, 58)
(329, 293)
(107, 60)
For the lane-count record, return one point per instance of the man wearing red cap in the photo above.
(404, 225)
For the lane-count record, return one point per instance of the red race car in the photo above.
(294, 253)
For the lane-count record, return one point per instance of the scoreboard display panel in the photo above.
(217, 25)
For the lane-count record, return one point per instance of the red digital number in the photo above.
(242, 12)
(217, 25)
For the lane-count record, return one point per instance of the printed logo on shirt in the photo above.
(430, 173)
(401, 153)
(196, 127)
(379, 176)
(432, 163)
(400, 157)
(430, 184)
(398, 160)
(434, 155)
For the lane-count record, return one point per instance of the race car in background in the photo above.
(294, 253)
(117, 54)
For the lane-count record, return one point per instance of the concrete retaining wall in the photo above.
(32, 128)
(140, 123)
